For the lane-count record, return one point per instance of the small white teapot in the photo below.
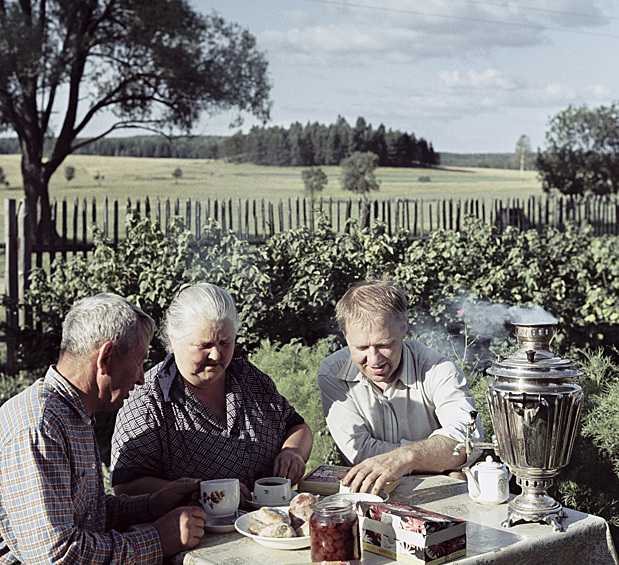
(488, 482)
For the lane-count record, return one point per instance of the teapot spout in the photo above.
(474, 490)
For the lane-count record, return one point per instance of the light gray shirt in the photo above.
(429, 396)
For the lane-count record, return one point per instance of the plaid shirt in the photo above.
(164, 431)
(53, 507)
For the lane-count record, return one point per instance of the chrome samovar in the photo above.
(535, 408)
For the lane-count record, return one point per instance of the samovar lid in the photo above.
(533, 359)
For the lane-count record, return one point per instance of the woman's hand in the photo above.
(289, 463)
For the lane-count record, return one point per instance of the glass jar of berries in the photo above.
(334, 531)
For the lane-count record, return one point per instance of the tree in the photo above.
(522, 154)
(582, 152)
(69, 172)
(314, 180)
(358, 177)
(150, 64)
(177, 174)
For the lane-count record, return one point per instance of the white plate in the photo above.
(242, 526)
(355, 497)
(222, 525)
(258, 505)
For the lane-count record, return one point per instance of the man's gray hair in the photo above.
(104, 317)
(192, 306)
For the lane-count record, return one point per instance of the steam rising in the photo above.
(487, 319)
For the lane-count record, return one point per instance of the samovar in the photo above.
(535, 408)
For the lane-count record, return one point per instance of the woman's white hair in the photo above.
(104, 317)
(192, 306)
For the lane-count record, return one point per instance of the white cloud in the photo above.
(488, 78)
(407, 30)
(559, 91)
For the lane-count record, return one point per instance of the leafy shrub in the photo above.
(457, 284)
(294, 369)
(10, 386)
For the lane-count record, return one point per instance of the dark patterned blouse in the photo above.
(164, 431)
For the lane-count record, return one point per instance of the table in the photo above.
(586, 538)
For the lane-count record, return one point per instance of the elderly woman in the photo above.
(202, 413)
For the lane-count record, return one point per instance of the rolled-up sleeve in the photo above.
(430, 397)
(453, 404)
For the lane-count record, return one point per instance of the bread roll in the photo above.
(255, 527)
(271, 516)
(302, 506)
(277, 530)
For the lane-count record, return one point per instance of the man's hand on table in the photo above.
(181, 529)
(289, 463)
(377, 471)
(176, 493)
(432, 455)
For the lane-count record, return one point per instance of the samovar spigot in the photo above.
(468, 444)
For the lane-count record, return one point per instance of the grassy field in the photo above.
(123, 177)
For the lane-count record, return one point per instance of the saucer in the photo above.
(257, 505)
(223, 525)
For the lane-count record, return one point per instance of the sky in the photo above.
(469, 76)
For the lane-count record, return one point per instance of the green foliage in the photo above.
(294, 369)
(457, 284)
(10, 386)
(314, 180)
(358, 173)
(146, 268)
(600, 420)
(316, 144)
(581, 154)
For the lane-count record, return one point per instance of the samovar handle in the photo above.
(527, 405)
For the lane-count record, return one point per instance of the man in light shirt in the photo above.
(393, 406)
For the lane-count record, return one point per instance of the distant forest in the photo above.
(299, 145)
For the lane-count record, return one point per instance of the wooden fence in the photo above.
(257, 220)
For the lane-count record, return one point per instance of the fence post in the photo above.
(11, 241)
(24, 260)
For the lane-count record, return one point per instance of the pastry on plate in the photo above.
(268, 515)
(277, 530)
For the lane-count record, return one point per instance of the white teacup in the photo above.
(272, 490)
(220, 498)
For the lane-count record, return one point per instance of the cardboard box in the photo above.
(325, 479)
(410, 534)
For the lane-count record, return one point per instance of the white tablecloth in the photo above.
(586, 539)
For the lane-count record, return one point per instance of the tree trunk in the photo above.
(364, 217)
(37, 199)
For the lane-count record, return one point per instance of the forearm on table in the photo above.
(433, 455)
(142, 485)
(299, 439)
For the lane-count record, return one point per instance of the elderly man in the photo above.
(53, 508)
(392, 406)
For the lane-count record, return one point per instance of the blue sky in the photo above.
(467, 75)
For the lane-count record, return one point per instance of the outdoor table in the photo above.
(585, 539)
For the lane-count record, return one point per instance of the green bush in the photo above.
(294, 369)
(457, 284)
